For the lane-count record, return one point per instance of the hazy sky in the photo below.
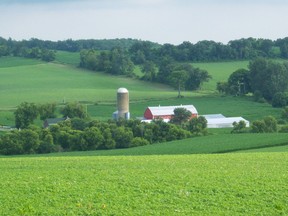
(163, 21)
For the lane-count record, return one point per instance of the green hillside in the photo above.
(220, 71)
(57, 83)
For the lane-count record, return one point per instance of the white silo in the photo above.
(122, 104)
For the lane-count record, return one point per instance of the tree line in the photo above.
(245, 48)
(266, 79)
(79, 133)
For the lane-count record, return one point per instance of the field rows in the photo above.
(230, 184)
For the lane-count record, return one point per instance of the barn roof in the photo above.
(169, 110)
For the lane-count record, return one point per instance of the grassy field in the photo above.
(68, 58)
(6, 62)
(228, 184)
(57, 83)
(220, 71)
(35, 81)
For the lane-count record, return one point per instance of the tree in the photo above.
(10, 144)
(222, 87)
(93, 138)
(73, 110)
(178, 79)
(196, 77)
(149, 70)
(239, 82)
(198, 125)
(268, 77)
(30, 141)
(47, 110)
(25, 114)
(181, 115)
(279, 100)
(123, 137)
(238, 127)
(120, 62)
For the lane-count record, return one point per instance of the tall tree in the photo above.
(25, 114)
(181, 115)
(178, 79)
(268, 77)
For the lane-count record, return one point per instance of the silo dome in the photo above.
(122, 90)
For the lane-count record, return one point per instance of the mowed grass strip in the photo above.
(230, 184)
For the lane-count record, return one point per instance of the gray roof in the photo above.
(169, 110)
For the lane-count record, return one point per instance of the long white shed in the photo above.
(220, 121)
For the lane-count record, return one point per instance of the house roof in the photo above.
(169, 110)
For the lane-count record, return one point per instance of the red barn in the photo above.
(166, 112)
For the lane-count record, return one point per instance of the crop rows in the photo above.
(230, 184)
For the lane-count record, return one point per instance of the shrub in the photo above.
(239, 127)
(279, 100)
(284, 113)
(284, 129)
(139, 141)
(258, 127)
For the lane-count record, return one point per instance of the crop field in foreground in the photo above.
(228, 184)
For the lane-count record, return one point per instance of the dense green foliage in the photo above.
(80, 135)
(265, 79)
(227, 184)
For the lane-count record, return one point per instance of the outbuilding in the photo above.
(220, 121)
(166, 112)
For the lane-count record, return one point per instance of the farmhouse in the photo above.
(166, 112)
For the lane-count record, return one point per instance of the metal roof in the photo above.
(169, 110)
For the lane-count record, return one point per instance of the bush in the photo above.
(279, 100)
(267, 125)
(284, 129)
(139, 141)
(258, 127)
(258, 97)
(239, 127)
(284, 113)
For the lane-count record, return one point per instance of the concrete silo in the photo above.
(122, 104)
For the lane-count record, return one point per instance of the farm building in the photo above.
(220, 121)
(166, 112)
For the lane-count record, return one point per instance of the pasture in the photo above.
(220, 71)
(227, 184)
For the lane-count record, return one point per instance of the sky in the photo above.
(162, 21)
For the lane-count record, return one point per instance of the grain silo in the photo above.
(122, 104)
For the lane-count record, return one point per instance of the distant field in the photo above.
(40, 82)
(229, 184)
(6, 62)
(70, 58)
(220, 71)
(57, 83)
